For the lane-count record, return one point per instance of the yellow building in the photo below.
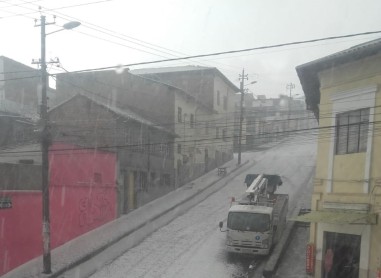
(344, 92)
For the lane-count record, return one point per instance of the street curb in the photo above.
(117, 239)
(273, 261)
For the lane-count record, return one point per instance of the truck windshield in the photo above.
(244, 221)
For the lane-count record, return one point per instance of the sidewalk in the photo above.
(293, 263)
(118, 236)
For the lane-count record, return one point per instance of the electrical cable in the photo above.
(217, 53)
(59, 8)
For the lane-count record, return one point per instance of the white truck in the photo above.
(256, 222)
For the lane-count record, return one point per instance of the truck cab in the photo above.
(256, 222)
(249, 229)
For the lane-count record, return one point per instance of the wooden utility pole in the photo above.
(242, 77)
(289, 86)
(45, 142)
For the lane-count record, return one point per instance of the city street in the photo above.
(193, 246)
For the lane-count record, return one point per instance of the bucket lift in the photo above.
(260, 187)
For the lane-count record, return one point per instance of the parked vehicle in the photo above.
(256, 222)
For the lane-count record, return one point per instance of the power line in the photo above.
(217, 53)
(18, 5)
(120, 36)
(330, 129)
(59, 8)
(235, 51)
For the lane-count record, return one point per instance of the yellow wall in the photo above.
(348, 173)
(349, 167)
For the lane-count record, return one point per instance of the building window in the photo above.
(179, 148)
(164, 149)
(179, 115)
(191, 122)
(167, 179)
(352, 131)
(218, 97)
(225, 134)
(206, 128)
(143, 181)
(126, 135)
(217, 132)
(225, 103)
(153, 180)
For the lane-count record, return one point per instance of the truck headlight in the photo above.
(265, 243)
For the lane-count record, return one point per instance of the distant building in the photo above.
(16, 129)
(213, 115)
(194, 103)
(19, 88)
(343, 91)
(143, 148)
(271, 119)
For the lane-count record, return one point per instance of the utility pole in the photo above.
(148, 159)
(45, 142)
(242, 77)
(45, 138)
(290, 86)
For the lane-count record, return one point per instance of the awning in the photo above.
(338, 217)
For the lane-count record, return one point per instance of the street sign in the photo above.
(5, 202)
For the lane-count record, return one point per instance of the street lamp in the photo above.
(45, 142)
(67, 26)
(253, 82)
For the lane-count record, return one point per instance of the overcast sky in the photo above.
(124, 32)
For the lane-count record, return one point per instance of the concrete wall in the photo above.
(16, 130)
(21, 95)
(20, 176)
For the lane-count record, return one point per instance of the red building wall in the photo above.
(82, 191)
(20, 229)
(82, 197)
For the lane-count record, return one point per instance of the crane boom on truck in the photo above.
(256, 222)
